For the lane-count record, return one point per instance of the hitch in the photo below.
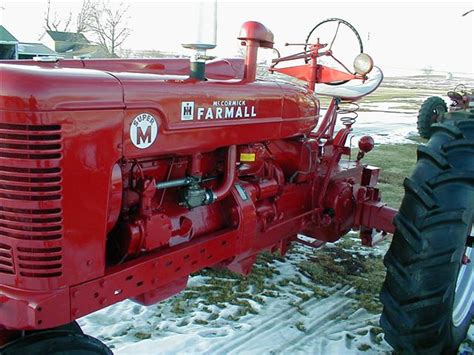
(373, 217)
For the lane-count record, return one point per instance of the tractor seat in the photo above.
(354, 89)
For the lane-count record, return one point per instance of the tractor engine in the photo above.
(120, 178)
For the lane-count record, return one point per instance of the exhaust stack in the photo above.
(254, 35)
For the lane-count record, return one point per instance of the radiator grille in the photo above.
(6, 259)
(30, 200)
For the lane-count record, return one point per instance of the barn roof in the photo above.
(60, 36)
(88, 51)
(34, 49)
(6, 36)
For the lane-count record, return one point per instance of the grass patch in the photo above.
(142, 335)
(200, 321)
(364, 274)
(398, 96)
(300, 326)
(397, 162)
(223, 288)
(389, 94)
(364, 347)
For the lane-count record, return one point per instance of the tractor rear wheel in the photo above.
(429, 288)
(431, 112)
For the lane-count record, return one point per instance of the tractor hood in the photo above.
(89, 84)
(35, 88)
(157, 98)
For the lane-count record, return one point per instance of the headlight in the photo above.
(363, 64)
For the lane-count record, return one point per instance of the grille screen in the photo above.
(30, 200)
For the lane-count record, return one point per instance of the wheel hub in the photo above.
(464, 294)
(437, 112)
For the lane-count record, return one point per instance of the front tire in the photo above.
(424, 310)
(64, 340)
(431, 112)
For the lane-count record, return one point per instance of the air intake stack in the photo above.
(254, 35)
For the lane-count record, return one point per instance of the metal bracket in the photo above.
(315, 243)
(242, 193)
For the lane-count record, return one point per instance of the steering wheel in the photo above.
(339, 22)
(456, 94)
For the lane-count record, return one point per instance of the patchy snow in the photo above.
(429, 82)
(274, 330)
(283, 323)
(384, 127)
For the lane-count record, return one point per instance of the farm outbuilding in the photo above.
(31, 50)
(73, 45)
(11, 48)
(64, 41)
(8, 45)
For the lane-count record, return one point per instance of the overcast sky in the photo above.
(403, 34)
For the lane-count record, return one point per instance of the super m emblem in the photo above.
(143, 130)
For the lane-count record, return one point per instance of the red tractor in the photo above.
(434, 109)
(120, 178)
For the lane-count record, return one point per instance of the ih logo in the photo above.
(187, 110)
(143, 130)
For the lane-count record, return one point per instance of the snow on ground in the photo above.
(386, 122)
(432, 81)
(385, 127)
(290, 313)
(275, 330)
(294, 319)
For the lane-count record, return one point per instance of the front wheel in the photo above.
(64, 340)
(429, 288)
(431, 112)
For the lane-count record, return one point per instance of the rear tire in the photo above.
(424, 260)
(431, 112)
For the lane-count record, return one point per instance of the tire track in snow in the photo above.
(322, 310)
(324, 328)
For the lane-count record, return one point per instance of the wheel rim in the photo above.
(464, 294)
(437, 112)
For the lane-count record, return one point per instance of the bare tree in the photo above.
(110, 25)
(83, 19)
(53, 23)
(427, 71)
(85, 16)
